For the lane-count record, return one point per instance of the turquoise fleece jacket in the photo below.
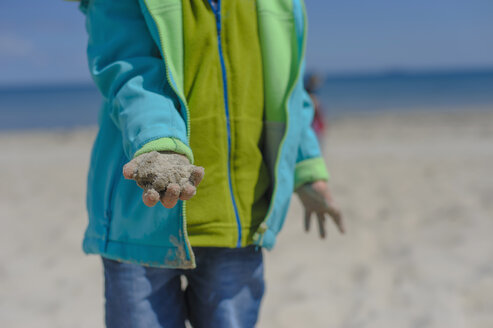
(135, 54)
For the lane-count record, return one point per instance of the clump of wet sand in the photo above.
(164, 174)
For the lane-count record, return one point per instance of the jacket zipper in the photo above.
(189, 250)
(217, 15)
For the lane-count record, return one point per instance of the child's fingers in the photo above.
(150, 197)
(129, 170)
(170, 197)
(336, 216)
(321, 224)
(197, 175)
(188, 192)
(308, 214)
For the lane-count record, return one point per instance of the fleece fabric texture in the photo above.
(226, 141)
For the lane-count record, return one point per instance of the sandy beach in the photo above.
(416, 190)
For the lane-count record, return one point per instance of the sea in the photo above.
(77, 105)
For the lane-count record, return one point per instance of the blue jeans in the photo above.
(225, 290)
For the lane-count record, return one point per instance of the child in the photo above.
(219, 85)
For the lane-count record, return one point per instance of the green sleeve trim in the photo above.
(310, 170)
(166, 144)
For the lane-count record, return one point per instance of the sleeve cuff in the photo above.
(310, 170)
(166, 144)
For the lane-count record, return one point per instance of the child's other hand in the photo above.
(316, 198)
(164, 176)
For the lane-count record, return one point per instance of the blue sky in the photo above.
(44, 41)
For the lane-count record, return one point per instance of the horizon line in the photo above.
(89, 84)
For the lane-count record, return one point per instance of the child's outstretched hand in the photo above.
(164, 176)
(316, 198)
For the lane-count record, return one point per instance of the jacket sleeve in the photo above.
(310, 165)
(127, 67)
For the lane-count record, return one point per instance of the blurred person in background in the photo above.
(213, 84)
(312, 84)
